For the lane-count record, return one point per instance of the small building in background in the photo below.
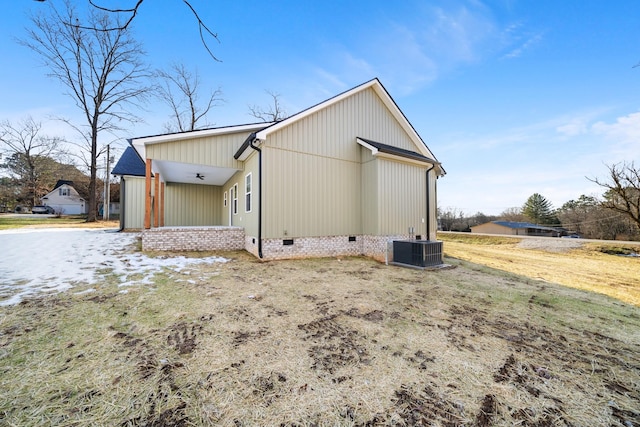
(513, 228)
(65, 199)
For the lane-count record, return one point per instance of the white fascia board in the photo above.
(374, 150)
(139, 144)
(262, 135)
(148, 140)
(402, 159)
(139, 147)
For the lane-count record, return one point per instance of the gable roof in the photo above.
(382, 93)
(62, 182)
(130, 163)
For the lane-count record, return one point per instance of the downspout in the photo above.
(429, 204)
(259, 196)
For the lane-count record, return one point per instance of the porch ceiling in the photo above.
(188, 173)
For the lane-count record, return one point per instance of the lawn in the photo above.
(593, 266)
(328, 342)
(31, 221)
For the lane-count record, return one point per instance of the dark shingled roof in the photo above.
(130, 163)
(62, 182)
(390, 149)
(513, 224)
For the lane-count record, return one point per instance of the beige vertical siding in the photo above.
(215, 150)
(189, 204)
(433, 204)
(310, 195)
(320, 182)
(248, 220)
(402, 198)
(134, 202)
(369, 196)
(331, 132)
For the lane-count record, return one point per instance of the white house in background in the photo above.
(65, 199)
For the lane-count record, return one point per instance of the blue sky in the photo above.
(513, 97)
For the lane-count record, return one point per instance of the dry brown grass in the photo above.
(322, 342)
(565, 261)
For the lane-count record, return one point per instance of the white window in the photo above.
(247, 193)
(63, 191)
(235, 199)
(225, 199)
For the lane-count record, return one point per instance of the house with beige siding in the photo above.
(344, 177)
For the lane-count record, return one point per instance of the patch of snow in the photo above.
(35, 261)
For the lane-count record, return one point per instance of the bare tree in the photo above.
(513, 214)
(273, 113)
(622, 190)
(28, 156)
(180, 90)
(100, 66)
(126, 15)
(450, 218)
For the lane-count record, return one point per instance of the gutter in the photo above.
(253, 140)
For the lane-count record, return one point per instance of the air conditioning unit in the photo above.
(417, 253)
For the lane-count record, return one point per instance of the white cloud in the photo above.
(523, 46)
(625, 128)
(575, 127)
(410, 53)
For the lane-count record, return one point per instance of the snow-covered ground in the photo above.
(35, 261)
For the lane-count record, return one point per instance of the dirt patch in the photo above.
(333, 345)
(550, 244)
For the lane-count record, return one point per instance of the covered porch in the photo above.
(184, 195)
(187, 208)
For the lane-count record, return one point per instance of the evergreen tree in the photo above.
(539, 210)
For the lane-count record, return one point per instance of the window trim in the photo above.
(248, 195)
(225, 201)
(235, 199)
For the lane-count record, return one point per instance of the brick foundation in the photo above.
(234, 238)
(193, 239)
(326, 246)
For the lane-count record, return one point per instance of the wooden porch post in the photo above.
(147, 195)
(162, 204)
(156, 204)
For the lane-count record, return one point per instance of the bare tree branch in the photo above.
(180, 90)
(273, 113)
(622, 190)
(201, 26)
(29, 153)
(133, 11)
(101, 67)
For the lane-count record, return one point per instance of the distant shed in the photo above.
(516, 229)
